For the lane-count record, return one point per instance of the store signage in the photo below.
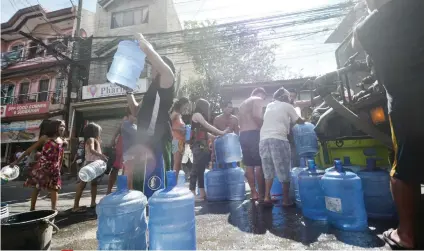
(27, 109)
(21, 131)
(110, 90)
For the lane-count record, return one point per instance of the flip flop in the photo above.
(80, 210)
(267, 204)
(288, 205)
(394, 245)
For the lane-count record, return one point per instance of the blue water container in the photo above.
(216, 184)
(187, 132)
(344, 199)
(181, 178)
(127, 65)
(121, 219)
(276, 190)
(378, 198)
(311, 193)
(305, 139)
(294, 181)
(228, 149)
(235, 181)
(169, 230)
(348, 165)
(333, 168)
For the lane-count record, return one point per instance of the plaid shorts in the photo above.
(276, 159)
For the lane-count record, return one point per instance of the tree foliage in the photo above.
(225, 55)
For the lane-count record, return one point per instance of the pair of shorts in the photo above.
(178, 146)
(276, 159)
(249, 141)
(407, 153)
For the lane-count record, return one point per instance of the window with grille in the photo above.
(57, 98)
(23, 93)
(43, 90)
(7, 91)
(130, 17)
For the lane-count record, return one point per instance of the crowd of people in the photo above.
(391, 36)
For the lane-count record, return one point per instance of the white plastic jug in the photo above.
(127, 65)
(91, 171)
(9, 173)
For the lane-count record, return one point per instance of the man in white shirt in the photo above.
(274, 146)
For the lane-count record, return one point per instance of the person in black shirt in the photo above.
(393, 36)
(154, 139)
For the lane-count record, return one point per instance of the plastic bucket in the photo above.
(28, 231)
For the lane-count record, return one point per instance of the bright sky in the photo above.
(307, 56)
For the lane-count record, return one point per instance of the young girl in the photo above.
(46, 173)
(200, 148)
(178, 132)
(93, 152)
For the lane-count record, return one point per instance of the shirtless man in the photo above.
(250, 119)
(226, 119)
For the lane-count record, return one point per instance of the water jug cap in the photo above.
(338, 165)
(371, 163)
(234, 164)
(311, 164)
(346, 161)
(122, 183)
(171, 180)
(302, 162)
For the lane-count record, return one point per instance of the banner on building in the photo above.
(27, 109)
(20, 131)
(110, 90)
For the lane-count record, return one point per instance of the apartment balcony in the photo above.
(33, 55)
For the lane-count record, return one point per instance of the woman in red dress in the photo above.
(46, 175)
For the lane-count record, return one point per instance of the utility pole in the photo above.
(73, 80)
(73, 70)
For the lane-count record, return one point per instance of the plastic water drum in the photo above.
(305, 139)
(344, 199)
(169, 230)
(121, 219)
(228, 149)
(235, 181)
(127, 65)
(378, 198)
(216, 183)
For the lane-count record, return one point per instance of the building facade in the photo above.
(34, 77)
(99, 100)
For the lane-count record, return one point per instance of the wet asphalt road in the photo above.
(241, 225)
(237, 225)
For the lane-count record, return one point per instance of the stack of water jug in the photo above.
(226, 180)
(345, 196)
(121, 216)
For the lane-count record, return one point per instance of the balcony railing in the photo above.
(32, 52)
(48, 96)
